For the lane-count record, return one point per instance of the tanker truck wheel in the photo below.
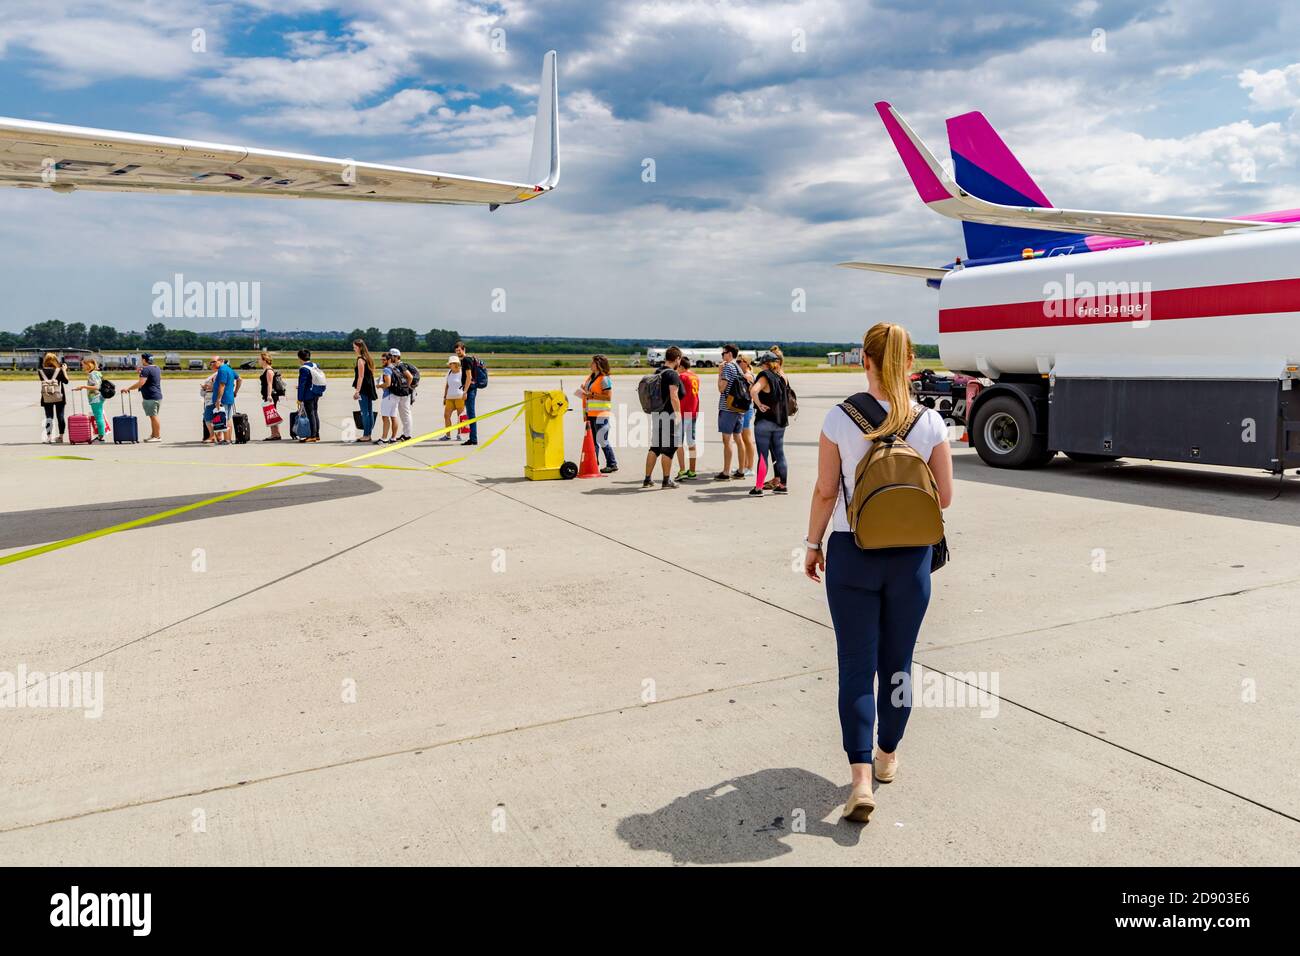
(1002, 435)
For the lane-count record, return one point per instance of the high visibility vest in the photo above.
(598, 402)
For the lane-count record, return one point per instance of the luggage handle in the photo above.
(126, 402)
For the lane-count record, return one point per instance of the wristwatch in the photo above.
(810, 546)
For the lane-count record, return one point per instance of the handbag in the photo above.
(271, 413)
(302, 426)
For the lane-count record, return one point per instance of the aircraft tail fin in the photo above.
(984, 166)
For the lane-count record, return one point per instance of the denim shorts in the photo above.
(748, 421)
(729, 423)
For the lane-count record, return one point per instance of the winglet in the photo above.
(544, 167)
(929, 178)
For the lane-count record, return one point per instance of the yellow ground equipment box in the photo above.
(544, 418)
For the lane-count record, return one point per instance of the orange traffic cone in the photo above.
(590, 467)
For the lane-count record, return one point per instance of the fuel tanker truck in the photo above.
(1109, 335)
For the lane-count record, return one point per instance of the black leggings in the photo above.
(51, 410)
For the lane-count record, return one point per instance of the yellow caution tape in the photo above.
(184, 509)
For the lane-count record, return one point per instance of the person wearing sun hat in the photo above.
(453, 394)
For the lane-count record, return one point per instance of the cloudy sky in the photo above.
(769, 162)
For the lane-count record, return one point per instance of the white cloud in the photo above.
(1273, 89)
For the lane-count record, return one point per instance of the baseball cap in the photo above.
(147, 356)
(395, 353)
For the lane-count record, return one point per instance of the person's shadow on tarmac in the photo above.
(744, 820)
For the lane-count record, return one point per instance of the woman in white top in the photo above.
(877, 598)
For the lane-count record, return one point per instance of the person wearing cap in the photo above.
(453, 394)
(225, 384)
(149, 384)
(468, 368)
(769, 394)
(404, 416)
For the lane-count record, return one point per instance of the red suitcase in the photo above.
(81, 428)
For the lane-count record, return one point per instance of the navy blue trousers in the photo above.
(877, 601)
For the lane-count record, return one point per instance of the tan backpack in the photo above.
(895, 501)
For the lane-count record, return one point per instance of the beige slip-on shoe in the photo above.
(859, 805)
(886, 773)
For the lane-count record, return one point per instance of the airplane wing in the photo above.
(67, 158)
(944, 196)
(914, 272)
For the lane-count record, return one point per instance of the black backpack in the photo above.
(650, 391)
(277, 385)
(397, 381)
(415, 374)
(106, 388)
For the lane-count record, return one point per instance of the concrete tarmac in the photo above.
(459, 666)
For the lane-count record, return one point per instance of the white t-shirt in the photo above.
(927, 434)
(455, 384)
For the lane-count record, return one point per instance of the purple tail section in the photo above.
(985, 167)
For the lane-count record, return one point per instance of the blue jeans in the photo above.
(470, 413)
(367, 416)
(877, 601)
(769, 439)
(600, 437)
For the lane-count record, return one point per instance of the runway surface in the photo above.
(459, 666)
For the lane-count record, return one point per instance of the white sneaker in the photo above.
(749, 472)
(148, 440)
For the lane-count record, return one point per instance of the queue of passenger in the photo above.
(390, 387)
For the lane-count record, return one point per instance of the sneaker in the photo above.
(669, 483)
(737, 474)
(691, 474)
(469, 442)
(722, 476)
(755, 492)
(780, 490)
(648, 483)
(747, 473)
(681, 476)
(609, 469)
(148, 440)
(445, 438)
(405, 438)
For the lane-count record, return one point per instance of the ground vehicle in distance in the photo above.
(700, 358)
(196, 365)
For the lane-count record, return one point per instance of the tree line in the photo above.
(157, 337)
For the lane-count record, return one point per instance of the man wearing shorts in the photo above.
(665, 426)
(729, 421)
(453, 395)
(150, 386)
(690, 413)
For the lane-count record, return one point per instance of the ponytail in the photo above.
(890, 349)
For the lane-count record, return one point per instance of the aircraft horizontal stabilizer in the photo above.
(938, 191)
(914, 272)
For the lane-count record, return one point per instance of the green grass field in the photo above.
(339, 364)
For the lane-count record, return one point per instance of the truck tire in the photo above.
(1002, 436)
(1085, 458)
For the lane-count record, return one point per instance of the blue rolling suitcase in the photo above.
(125, 426)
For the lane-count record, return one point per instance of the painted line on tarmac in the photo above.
(934, 670)
(194, 506)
